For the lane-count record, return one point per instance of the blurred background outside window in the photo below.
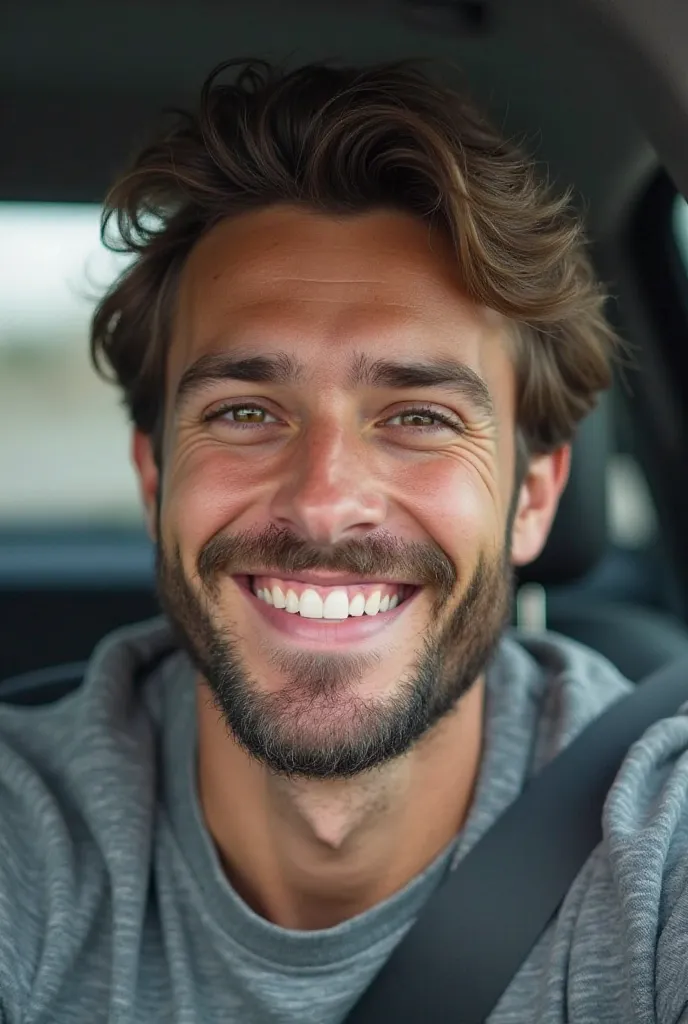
(63, 434)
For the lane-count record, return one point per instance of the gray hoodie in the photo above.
(114, 907)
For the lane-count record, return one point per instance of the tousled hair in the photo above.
(348, 140)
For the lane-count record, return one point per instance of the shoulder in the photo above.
(645, 829)
(555, 685)
(36, 839)
(59, 754)
(77, 794)
(627, 913)
(554, 665)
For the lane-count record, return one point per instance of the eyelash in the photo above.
(417, 410)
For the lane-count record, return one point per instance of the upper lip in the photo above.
(331, 580)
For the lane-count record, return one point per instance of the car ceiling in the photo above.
(81, 83)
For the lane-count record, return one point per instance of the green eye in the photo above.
(240, 415)
(416, 416)
(439, 421)
(246, 413)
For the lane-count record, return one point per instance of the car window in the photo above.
(630, 507)
(681, 228)
(64, 450)
(632, 515)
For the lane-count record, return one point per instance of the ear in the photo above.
(538, 499)
(149, 478)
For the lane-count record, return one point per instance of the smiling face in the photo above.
(336, 517)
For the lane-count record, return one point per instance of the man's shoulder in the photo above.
(640, 881)
(561, 659)
(646, 813)
(77, 797)
(56, 746)
(644, 854)
(622, 928)
(572, 685)
(59, 716)
(126, 653)
(549, 688)
(68, 759)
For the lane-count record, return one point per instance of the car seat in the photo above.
(637, 639)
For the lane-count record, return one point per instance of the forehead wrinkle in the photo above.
(246, 286)
(320, 279)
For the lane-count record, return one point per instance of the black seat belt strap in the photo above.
(479, 927)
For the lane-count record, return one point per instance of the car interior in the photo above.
(596, 91)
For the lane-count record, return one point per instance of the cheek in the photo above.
(204, 491)
(454, 503)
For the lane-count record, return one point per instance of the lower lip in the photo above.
(327, 632)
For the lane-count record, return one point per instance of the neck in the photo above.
(308, 854)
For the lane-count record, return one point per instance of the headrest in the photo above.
(578, 538)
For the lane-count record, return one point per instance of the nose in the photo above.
(329, 490)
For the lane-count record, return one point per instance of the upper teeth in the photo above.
(335, 606)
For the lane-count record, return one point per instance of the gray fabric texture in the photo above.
(114, 907)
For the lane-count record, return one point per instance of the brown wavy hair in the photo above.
(348, 140)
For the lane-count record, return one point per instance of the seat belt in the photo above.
(480, 925)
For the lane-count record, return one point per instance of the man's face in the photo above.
(338, 439)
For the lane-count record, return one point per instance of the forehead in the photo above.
(321, 286)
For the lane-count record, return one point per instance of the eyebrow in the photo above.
(283, 369)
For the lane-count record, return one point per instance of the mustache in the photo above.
(278, 550)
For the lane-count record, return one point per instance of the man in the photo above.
(355, 343)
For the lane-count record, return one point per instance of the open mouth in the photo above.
(336, 603)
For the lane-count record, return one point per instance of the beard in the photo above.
(317, 726)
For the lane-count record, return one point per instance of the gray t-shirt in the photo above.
(114, 907)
